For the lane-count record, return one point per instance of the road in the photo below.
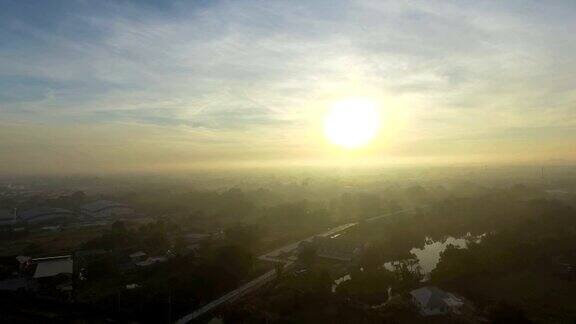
(229, 297)
(273, 256)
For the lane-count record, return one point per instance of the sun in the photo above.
(352, 123)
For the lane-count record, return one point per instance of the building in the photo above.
(43, 215)
(151, 261)
(434, 301)
(105, 208)
(195, 238)
(141, 259)
(53, 276)
(337, 249)
(193, 242)
(138, 256)
(53, 266)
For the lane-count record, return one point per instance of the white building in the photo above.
(434, 301)
(53, 276)
(105, 208)
(53, 266)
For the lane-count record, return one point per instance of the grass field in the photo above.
(51, 242)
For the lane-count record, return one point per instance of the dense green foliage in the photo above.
(527, 265)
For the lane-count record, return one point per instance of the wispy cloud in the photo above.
(263, 69)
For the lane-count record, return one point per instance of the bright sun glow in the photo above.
(352, 123)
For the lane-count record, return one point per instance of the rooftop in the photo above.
(43, 212)
(432, 298)
(52, 266)
(102, 204)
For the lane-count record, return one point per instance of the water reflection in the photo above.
(339, 281)
(429, 256)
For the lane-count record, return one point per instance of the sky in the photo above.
(112, 86)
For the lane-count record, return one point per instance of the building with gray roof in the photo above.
(434, 301)
(105, 208)
(41, 215)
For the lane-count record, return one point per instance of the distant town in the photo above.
(408, 246)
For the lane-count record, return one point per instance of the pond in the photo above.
(339, 281)
(429, 256)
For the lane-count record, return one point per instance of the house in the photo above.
(132, 286)
(42, 215)
(195, 238)
(434, 301)
(151, 261)
(141, 259)
(105, 208)
(53, 266)
(138, 256)
(193, 241)
(53, 276)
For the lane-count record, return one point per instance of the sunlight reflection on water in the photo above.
(429, 256)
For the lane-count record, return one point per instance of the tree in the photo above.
(237, 261)
(32, 249)
(455, 267)
(372, 257)
(370, 286)
(307, 254)
(154, 236)
(8, 203)
(408, 272)
(78, 197)
(400, 309)
(243, 234)
(118, 228)
(180, 245)
(278, 269)
(504, 313)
